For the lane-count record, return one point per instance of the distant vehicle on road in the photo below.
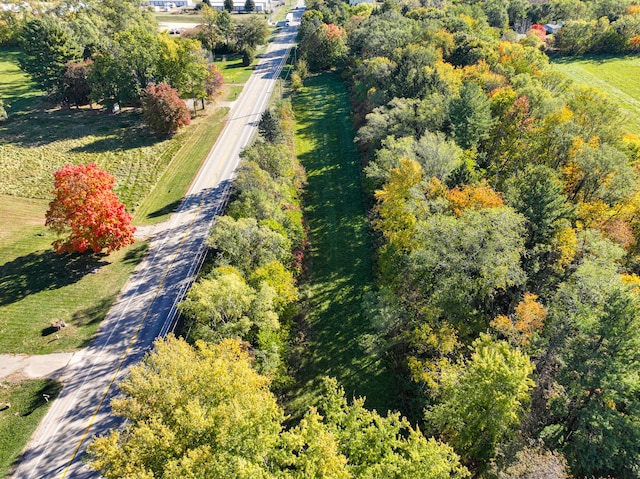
(288, 19)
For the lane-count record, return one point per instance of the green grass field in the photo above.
(340, 262)
(17, 91)
(17, 422)
(232, 70)
(37, 286)
(616, 76)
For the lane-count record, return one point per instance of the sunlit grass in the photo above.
(340, 263)
(616, 76)
(22, 406)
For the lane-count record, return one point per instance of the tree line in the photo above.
(504, 200)
(108, 52)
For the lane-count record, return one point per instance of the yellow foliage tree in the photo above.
(528, 318)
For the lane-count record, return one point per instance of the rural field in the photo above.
(616, 76)
(341, 269)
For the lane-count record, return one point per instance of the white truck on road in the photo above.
(288, 19)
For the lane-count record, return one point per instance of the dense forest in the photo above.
(505, 201)
(505, 210)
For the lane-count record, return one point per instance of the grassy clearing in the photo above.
(232, 70)
(37, 286)
(616, 76)
(18, 422)
(17, 91)
(340, 258)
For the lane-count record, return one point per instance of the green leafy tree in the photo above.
(592, 407)
(205, 413)
(48, 47)
(228, 307)
(470, 116)
(461, 264)
(269, 127)
(183, 65)
(123, 70)
(202, 412)
(228, 5)
(437, 156)
(249, 6)
(363, 444)
(251, 32)
(247, 245)
(482, 405)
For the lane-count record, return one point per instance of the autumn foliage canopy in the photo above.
(87, 211)
(163, 109)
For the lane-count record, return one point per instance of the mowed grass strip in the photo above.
(340, 262)
(17, 422)
(176, 179)
(615, 76)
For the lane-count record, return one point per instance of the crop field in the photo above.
(616, 76)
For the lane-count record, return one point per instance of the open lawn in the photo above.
(27, 408)
(340, 258)
(152, 174)
(17, 91)
(616, 76)
(232, 70)
(37, 286)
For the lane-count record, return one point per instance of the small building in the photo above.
(171, 3)
(261, 6)
(552, 28)
(353, 3)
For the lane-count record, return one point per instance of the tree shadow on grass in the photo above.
(165, 210)
(42, 271)
(129, 138)
(50, 390)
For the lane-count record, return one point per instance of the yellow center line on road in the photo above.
(130, 345)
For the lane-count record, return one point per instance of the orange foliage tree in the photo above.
(87, 211)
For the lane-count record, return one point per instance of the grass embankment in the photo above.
(27, 407)
(340, 258)
(615, 76)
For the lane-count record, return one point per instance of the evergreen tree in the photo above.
(249, 6)
(269, 127)
(48, 47)
(228, 5)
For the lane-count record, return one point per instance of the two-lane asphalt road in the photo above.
(146, 306)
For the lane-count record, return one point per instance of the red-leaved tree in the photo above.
(87, 211)
(214, 81)
(163, 109)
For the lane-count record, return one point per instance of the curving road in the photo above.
(146, 307)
